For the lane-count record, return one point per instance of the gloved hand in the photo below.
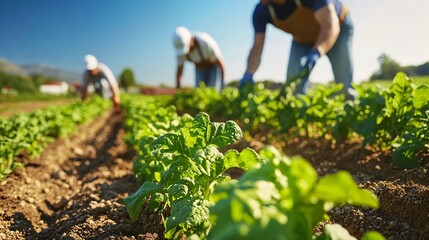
(311, 59)
(247, 78)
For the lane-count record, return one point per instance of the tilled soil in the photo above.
(403, 194)
(75, 189)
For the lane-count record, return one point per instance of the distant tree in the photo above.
(420, 70)
(388, 68)
(127, 79)
(20, 84)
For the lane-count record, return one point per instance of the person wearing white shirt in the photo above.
(102, 78)
(202, 50)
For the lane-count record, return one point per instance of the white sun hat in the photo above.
(182, 40)
(91, 62)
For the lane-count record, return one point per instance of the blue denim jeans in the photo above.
(340, 57)
(209, 76)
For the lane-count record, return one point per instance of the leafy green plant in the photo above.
(193, 167)
(196, 100)
(415, 139)
(31, 132)
(148, 119)
(281, 198)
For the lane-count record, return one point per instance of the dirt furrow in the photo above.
(74, 190)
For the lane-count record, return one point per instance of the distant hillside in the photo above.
(12, 69)
(45, 70)
(39, 69)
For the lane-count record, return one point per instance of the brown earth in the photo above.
(403, 194)
(158, 91)
(75, 189)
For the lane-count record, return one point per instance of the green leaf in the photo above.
(182, 167)
(340, 188)
(368, 126)
(206, 159)
(247, 159)
(226, 133)
(301, 177)
(242, 207)
(170, 143)
(188, 213)
(420, 96)
(400, 82)
(219, 134)
(405, 157)
(335, 232)
(302, 218)
(135, 201)
(178, 191)
(202, 128)
(373, 235)
(269, 152)
(155, 201)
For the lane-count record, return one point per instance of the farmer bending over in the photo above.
(201, 49)
(318, 28)
(103, 80)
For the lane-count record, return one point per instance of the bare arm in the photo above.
(113, 85)
(84, 92)
(115, 94)
(255, 54)
(329, 28)
(84, 88)
(114, 89)
(179, 75)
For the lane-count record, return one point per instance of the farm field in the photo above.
(8, 109)
(79, 193)
(76, 187)
(73, 189)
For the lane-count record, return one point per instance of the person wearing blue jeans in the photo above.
(210, 76)
(202, 50)
(318, 27)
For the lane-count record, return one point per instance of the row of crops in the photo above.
(182, 160)
(393, 119)
(31, 132)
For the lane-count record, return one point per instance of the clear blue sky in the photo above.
(137, 34)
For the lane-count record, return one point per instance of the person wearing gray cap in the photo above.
(103, 80)
(201, 49)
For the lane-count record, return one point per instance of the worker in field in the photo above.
(103, 80)
(202, 50)
(318, 28)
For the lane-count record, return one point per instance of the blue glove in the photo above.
(247, 78)
(311, 59)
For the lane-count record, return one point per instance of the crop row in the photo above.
(31, 132)
(182, 163)
(395, 119)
